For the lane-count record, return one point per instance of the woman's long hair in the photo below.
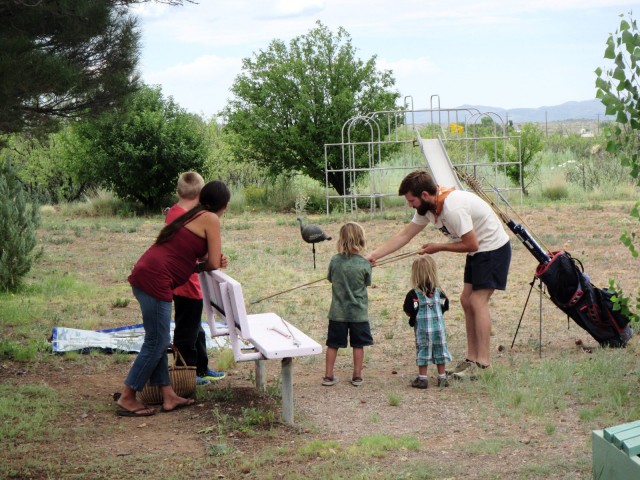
(214, 196)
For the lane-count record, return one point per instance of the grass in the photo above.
(120, 303)
(20, 352)
(380, 446)
(598, 387)
(26, 411)
(394, 399)
(223, 359)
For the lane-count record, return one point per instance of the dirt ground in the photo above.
(456, 426)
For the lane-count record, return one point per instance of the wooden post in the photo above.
(261, 375)
(287, 390)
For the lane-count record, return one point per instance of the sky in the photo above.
(498, 53)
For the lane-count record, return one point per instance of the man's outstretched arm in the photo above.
(399, 240)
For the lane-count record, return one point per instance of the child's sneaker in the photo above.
(329, 381)
(420, 383)
(201, 381)
(443, 381)
(213, 376)
(357, 381)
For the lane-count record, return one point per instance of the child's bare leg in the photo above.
(440, 368)
(330, 361)
(422, 370)
(358, 360)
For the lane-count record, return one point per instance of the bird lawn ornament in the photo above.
(312, 234)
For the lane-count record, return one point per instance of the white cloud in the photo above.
(150, 10)
(408, 67)
(411, 74)
(201, 86)
(298, 7)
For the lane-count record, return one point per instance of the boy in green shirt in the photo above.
(350, 275)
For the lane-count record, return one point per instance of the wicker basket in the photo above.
(183, 381)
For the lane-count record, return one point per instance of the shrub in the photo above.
(102, 203)
(139, 151)
(19, 219)
(598, 169)
(555, 192)
(255, 196)
(316, 202)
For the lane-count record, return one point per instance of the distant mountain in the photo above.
(585, 110)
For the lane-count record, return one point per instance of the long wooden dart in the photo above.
(286, 291)
(388, 260)
(402, 256)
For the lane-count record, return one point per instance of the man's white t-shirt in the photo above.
(462, 212)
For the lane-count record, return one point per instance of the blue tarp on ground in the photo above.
(126, 339)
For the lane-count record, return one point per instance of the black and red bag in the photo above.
(591, 308)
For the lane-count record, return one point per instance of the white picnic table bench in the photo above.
(270, 336)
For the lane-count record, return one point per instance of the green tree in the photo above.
(531, 143)
(221, 162)
(290, 101)
(19, 219)
(50, 167)
(63, 59)
(140, 150)
(618, 88)
(520, 155)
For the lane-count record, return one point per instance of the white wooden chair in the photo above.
(270, 336)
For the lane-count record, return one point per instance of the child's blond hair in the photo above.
(424, 274)
(189, 185)
(351, 240)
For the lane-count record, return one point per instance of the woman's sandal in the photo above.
(124, 412)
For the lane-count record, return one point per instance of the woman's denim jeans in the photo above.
(151, 363)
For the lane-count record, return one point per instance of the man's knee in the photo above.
(465, 301)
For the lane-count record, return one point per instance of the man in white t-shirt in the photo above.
(473, 228)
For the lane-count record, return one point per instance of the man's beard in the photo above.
(425, 207)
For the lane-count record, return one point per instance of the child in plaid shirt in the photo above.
(425, 305)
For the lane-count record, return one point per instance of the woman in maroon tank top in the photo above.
(167, 264)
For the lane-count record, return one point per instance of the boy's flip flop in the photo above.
(123, 412)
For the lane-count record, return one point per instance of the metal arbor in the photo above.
(372, 169)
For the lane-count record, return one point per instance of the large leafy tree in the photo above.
(291, 100)
(64, 58)
(140, 149)
(618, 88)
